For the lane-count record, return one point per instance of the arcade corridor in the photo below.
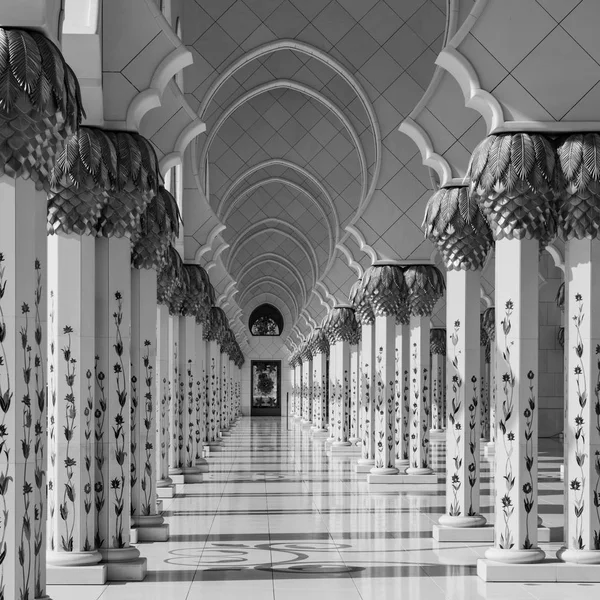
(276, 518)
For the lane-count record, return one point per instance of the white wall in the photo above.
(266, 348)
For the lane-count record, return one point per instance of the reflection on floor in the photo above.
(277, 519)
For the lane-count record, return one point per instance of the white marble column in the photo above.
(149, 524)
(489, 320)
(332, 390)
(164, 484)
(438, 383)
(582, 434)
(320, 386)
(354, 394)
(367, 380)
(72, 433)
(306, 388)
(463, 369)
(342, 387)
(113, 409)
(232, 387)
(420, 400)
(484, 385)
(200, 399)
(188, 375)
(385, 400)
(224, 391)
(402, 391)
(213, 355)
(517, 298)
(175, 405)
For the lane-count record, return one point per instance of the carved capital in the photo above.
(40, 104)
(81, 182)
(454, 223)
(579, 199)
(385, 288)
(437, 341)
(159, 228)
(362, 308)
(170, 277)
(318, 342)
(426, 286)
(513, 180)
(137, 184)
(342, 325)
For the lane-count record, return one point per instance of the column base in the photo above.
(549, 571)
(384, 471)
(166, 491)
(462, 522)
(437, 433)
(579, 557)
(341, 444)
(515, 557)
(225, 433)
(364, 465)
(83, 575)
(343, 450)
(355, 441)
(402, 464)
(419, 471)
(124, 564)
(192, 475)
(319, 434)
(174, 471)
(153, 533)
(202, 465)
(378, 482)
(485, 534)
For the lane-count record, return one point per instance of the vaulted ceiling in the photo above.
(302, 161)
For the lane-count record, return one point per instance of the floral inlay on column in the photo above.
(425, 286)
(41, 108)
(384, 286)
(512, 177)
(578, 212)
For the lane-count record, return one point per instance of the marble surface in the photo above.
(277, 519)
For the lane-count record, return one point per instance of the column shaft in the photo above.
(149, 524)
(517, 298)
(354, 394)
(188, 371)
(420, 378)
(402, 428)
(163, 397)
(342, 386)
(71, 283)
(200, 396)
(113, 400)
(437, 391)
(213, 357)
(582, 433)
(385, 395)
(367, 361)
(463, 369)
(175, 405)
(319, 387)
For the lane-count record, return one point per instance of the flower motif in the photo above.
(511, 437)
(527, 413)
(579, 420)
(530, 375)
(578, 297)
(509, 305)
(98, 487)
(115, 484)
(575, 484)
(506, 501)
(527, 489)
(506, 377)
(577, 370)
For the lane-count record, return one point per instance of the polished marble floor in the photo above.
(277, 519)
